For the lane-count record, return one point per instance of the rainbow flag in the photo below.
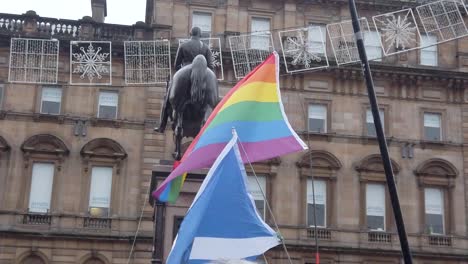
(254, 109)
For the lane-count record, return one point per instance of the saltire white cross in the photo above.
(222, 222)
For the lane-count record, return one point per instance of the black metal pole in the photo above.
(380, 136)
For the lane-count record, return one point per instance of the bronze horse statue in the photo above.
(191, 96)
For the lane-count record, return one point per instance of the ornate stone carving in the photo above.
(4, 145)
(103, 149)
(320, 159)
(436, 172)
(373, 163)
(44, 145)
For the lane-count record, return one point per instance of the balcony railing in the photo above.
(379, 237)
(97, 223)
(37, 219)
(322, 233)
(440, 241)
(31, 24)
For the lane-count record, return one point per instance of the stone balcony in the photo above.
(32, 25)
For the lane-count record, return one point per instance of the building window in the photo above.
(375, 206)
(100, 191)
(372, 45)
(41, 187)
(370, 122)
(257, 190)
(108, 102)
(318, 118)
(260, 38)
(432, 126)
(51, 100)
(317, 38)
(429, 56)
(177, 223)
(203, 21)
(434, 211)
(320, 203)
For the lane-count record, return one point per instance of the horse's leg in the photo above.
(166, 111)
(178, 135)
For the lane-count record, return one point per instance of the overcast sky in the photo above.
(125, 12)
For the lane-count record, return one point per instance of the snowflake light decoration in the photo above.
(399, 31)
(303, 49)
(90, 62)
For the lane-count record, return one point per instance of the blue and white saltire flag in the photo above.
(222, 222)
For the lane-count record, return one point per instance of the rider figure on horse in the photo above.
(190, 49)
(185, 55)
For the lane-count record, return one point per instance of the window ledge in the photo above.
(58, 118)
(428, 143)
(96, 121)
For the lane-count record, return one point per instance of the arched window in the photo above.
(103, 160)
(324, 168)
(43, 156)
(436, 179)
(375, 213)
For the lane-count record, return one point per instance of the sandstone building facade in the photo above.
(423, 105)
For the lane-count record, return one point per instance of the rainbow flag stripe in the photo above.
(254, 109)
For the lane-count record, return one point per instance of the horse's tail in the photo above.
(198, 80)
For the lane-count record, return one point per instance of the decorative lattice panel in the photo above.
(216, 52)
(91, 62)
(147, 62)
(398, 31)
(303, 49)
(442, 19)
(33, 61)
(343, 41)
(249, 50)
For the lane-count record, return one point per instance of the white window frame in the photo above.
(116, 105)
(442, 203)
(430, 42)
(60, 101)
(253, 187)
(372, 40)
(34, 181)
(322, 183)
(325, 119)
(93, 188)
(440, 124)
(199, 14)
(382, 188)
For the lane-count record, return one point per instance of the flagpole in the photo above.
(380, 136)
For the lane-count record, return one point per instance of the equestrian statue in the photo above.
(192, 94)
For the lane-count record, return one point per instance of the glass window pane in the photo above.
(372, 45)
(317, 39)
(41, 187)
(100, 191)
(1, 95)
(108, 102)
(50, 107)
(429, 55)
(317, 118)
(434, 208)
(370, 122)
(375, 206)
(260, 24)
(320, 202)
(51, 100)
(432, 126)
(203, 21)
(254, 189)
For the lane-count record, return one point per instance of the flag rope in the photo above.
(266, 203)
(317, 255)
(139, 224)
